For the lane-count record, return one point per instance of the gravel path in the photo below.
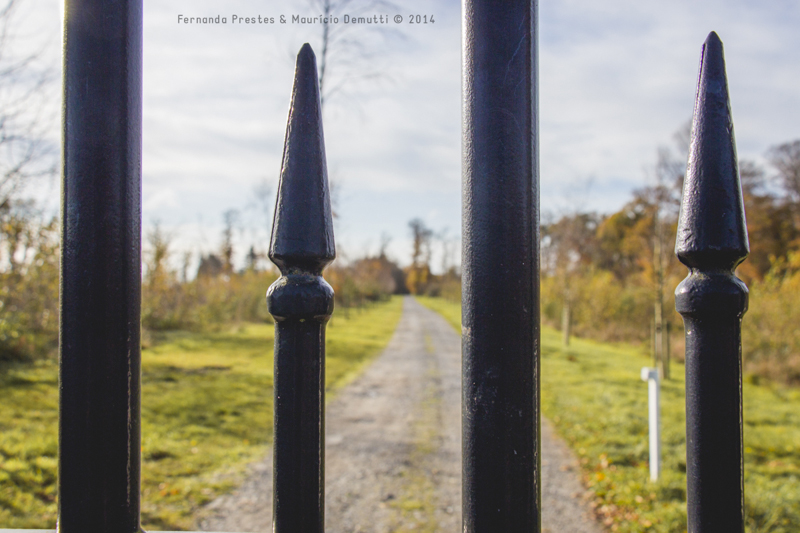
(393, 455)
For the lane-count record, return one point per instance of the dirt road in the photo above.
(393, 456)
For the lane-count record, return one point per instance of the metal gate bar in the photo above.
(99, 424)
(500, 264)
(99, 433)
(712, 241)
(301, 302)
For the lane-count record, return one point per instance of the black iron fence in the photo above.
(99, 431)
(301, 302)
(100, 367)
(712, 241)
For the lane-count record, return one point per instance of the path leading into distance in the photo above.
(393, 448)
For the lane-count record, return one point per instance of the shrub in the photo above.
(28, 286)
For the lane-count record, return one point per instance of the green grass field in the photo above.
(593, 394)
(206, 414)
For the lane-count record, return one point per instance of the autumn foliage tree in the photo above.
(615, 273)
(29, 266)
(29, 254)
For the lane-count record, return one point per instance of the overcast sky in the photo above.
(617, 79)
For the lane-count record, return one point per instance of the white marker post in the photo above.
(650, 375)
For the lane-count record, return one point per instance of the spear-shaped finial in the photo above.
(711, 230)
(302, 231)
(301, 302)
(712, 240)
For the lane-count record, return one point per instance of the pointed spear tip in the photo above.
(713, 55)
(302, 231)
(713, 38)
(306, 51)
(711, 230)
(306, 67)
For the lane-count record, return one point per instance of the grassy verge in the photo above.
(206, 414)
(593, 394)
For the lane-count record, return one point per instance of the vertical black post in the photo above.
(500, 302)
(301, 302)
(99, 435)
(712, 241)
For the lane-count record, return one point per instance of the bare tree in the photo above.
(256, 218)
(385, 240)
(231, 218)
(752, 176)
(24, 151)
(448, 244)
(786, 160)
(186, 261)
(421, 236)
(567, 250)
(346, 55)
(445, 243)
(159, 253)
(670, 171)
(262, 192)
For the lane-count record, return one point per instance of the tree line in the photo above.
(185, 290)
(612, 276)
